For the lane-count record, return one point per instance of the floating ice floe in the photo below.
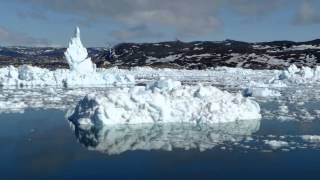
(18, 100)
(82, 72)
(164, 101)
(260, 92)
(311, 138)
(29, 76)
(276, 144)
(300, 75)
(234, 77)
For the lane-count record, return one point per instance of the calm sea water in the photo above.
(41, 144)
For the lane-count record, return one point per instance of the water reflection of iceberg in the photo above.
(117, 139)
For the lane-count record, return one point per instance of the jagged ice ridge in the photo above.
(164, 101)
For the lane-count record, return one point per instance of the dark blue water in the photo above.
(42, 145)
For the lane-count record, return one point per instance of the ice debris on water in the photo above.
(260, 92)
(300, 75)
(276, 144)
(311, 138)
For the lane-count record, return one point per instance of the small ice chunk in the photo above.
(260, 92)
(275, 144)
(164, 84)
(311, 138)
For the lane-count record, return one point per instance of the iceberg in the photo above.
(164, 101)
(300, 75)
(82, 72)
(77, 55)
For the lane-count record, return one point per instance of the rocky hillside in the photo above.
(177, 54)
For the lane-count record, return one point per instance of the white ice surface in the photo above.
(261, 92)
(165, 101)
(296, 103)
(77, 56)
(293, 94)
(29, 76)
(276, 144)
(311, 138)
(300, 75)
(222, 76)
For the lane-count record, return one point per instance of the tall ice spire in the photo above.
(77, 32)
(77, 55)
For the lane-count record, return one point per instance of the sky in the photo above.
(109, 22)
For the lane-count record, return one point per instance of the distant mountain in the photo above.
(177, 54)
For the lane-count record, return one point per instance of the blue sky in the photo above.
(103, 22)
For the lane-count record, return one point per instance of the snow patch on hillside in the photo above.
(302, 47)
